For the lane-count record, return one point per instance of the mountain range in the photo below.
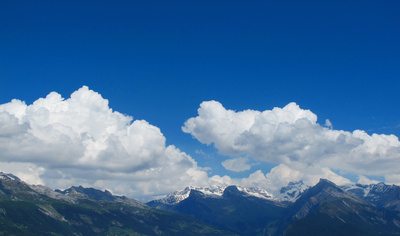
(323, 209)
(38, 210)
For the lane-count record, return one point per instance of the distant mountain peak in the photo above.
(9, 176)
(380, 194)
(11, 184)
(180, 195)
(323, 192)
(38, 210)
(214, 191)
(91, 193)
(233, 191)
(326, 190)
(326, 181)
(292, 191)
(256, 192)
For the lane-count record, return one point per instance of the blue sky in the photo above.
(158, 61)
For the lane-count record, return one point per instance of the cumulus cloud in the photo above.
(282, 175)
(223, 180)
(328, 124)
(291, 137)
(365, 180)
(393, 179)
(81, 140)
(256, 179)
(236, 164)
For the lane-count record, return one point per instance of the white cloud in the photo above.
(393, 179)
(290, 136)
(28, 172)
(328, 124)
(82, 141)
(217, 125)
(63, 142)
(365, 180)
(236, 164)
(256, 179)
(222, 180)
(282, 175)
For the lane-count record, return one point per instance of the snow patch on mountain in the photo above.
(357, 189)
(180, 195)
(212, 191)
(256, 192)
(51, 193)
(372, 192)
(8, 176)
(292, 191)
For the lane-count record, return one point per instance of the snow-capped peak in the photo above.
(380, 187)
(8, 176)
(256, 192)
(211, 191)
(180, 195)
(292, 191)
(371, 191)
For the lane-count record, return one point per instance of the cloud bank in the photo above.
(292, 138)
(236, 164)
(80, 140)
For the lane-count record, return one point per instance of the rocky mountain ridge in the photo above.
(331, 210)
(38, 210)
(380, 194)
(323, 209)
(289, 193)
(212, 192)
(372, 193)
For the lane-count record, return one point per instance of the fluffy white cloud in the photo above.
(236, 164)
(365, 180)
(328, 124)
(223, 180)
(80, 140)
(256, 179)
(217, 125)
(290, 136)
(393, 179)
(282, 175)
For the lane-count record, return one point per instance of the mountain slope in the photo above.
(292, 191)
(326, 209)
(26, 211)
(210, 192)
(235, 210)
(382, 195)
(323, 209)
